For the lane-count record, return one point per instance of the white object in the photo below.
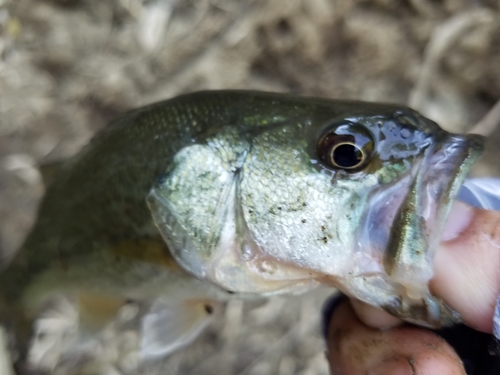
(481, 192)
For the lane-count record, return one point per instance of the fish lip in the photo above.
(416, 231)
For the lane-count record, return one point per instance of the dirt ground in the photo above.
(67, 67)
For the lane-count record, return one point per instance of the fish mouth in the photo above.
(401, 231)
(420, 220)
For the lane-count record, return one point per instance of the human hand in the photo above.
(467, 278)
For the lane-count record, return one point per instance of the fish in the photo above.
(216, 195)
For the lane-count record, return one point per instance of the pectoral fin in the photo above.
(97, 310)
(172, 324)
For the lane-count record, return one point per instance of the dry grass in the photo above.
(69, 66)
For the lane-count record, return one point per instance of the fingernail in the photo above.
(373, 316)
(394, 366)
(326, 312)
(459, 219)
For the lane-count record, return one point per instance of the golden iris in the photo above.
(346, 146)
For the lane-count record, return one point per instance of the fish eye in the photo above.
(345, 146)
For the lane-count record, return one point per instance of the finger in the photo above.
(467, 265)
(354, 348)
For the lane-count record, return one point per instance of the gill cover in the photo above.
(197, 207)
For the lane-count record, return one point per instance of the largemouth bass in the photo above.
(227, 194)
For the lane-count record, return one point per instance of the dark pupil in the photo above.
(347, 156)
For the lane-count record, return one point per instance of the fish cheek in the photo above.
(293, 210)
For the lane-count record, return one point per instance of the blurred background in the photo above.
(68, 67)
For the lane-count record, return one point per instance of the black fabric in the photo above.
(327, 311)
(473, 348)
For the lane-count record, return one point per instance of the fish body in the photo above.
(227, 194)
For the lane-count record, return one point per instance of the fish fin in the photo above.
(47, 171)
(171, 325)
(149, 250)
(97, 310)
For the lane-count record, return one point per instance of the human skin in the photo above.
(467, 278)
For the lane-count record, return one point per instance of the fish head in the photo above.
(348, 194)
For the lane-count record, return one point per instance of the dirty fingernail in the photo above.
(393, 366)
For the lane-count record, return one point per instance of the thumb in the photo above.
(467, 265)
